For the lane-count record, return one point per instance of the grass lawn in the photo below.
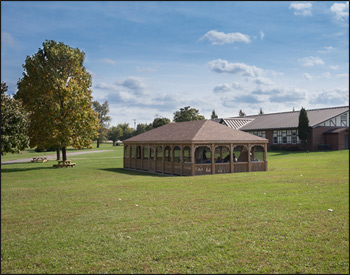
(99, 218)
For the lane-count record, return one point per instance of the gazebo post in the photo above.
(163, 158)
(182, 159)
(249, 159)
(141, 148)
(172, 158)
(192, 160)
(213, 158)
(265, 157)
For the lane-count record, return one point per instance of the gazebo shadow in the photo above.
(133, 172)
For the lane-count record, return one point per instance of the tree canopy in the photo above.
(241, 113)
(160, 121)
(55, 87)
(187, 114)
(102, 110)
(214, 115)
(14, 124)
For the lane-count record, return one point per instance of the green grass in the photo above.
(99, 218)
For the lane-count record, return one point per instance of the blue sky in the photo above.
(150, 59)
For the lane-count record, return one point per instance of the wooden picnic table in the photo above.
(39, 159)
(64, 163)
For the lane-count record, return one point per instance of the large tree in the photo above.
(303, 127)
(102, 110)
(55, 87)
(160, 121)
(115, 133)
(187, 114)
(14, 124)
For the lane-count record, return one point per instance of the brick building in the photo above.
(329, 128)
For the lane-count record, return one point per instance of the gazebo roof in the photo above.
(195, 131)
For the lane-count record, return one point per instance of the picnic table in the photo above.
(39, 159)
(64, 163)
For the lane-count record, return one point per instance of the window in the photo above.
(145, 152)
(138, 152)
(187, 154)
(177, 154)
(257, 153)
(222, 154)
(258, 133)
(159, 153)
(126, 149)
(284, 136)
(151, 153)
(240, 153)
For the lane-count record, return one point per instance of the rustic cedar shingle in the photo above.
(195, 131)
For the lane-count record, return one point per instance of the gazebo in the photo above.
(195, 148)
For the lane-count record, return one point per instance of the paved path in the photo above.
(51, 157)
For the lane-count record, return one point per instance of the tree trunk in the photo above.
(58, 154)
(64, 154)
(113, 142)
(98, 143)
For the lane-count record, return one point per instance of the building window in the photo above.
(258, 133)
(286, 137)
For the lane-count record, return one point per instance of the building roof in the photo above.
(195, 131)
(283, 120)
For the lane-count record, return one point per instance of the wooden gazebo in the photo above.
(195, 148)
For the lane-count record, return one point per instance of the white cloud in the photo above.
(220, 38)
(146, 69)
(263, 81)
(108, 61)
(337, 96)
(327, 75)
(7, 39)
(262, 35)
(221, 88)
(340, 10)
(301, 8)
(133, 83)
(311, 61)
(343, 75)
(223, 66)
(307, 76)
(335, 67)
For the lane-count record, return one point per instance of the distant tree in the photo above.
(127, 130)
(261, 112)
(14, 124)
(160, 121)
(115, 133)
(303, 127)
(214, 115)
(102, 111)
(187, 114)
(141, 128)
(55, 88)
(241, 113)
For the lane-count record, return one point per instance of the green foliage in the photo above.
(160, 121)
(141, 128)
(14, 124)
(214, 115)
(261, 112)
(55, 88)
(187, 114)
(303, 127)
(127, 131)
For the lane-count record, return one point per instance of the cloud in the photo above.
(301, 8)
(340, 10)
(335, 67)
(307, 76)
(133, 83)
(146, 69)
(108, 61)
(263, 81)
(223, 88)
(337, 96)
(220, 38)
(311, 61)
(326, 75)
(343, 75)
(287, 96)
(7, 39)
(326, 50)
(223, 66)
(262, 35)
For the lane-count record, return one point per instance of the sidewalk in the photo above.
(50, 157)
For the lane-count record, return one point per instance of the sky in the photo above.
(149, 59)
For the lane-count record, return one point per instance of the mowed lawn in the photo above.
(99, 218)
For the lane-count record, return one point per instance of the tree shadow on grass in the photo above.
(133, 172)
(10, 170)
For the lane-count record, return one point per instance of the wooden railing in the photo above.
(202, 169)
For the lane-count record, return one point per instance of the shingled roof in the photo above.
(195, 131)
(284, 120)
